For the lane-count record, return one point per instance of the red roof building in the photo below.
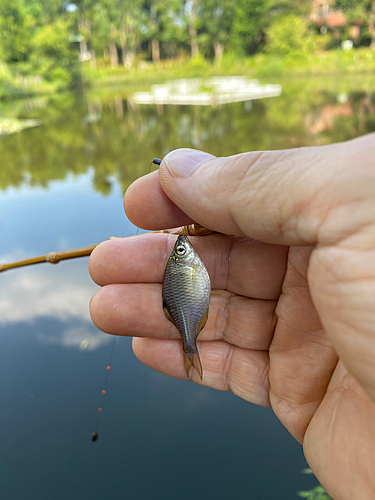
(323, 13)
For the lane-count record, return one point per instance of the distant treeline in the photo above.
(48, 37)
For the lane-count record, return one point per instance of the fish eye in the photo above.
(180, 250)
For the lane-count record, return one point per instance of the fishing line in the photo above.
(103, 392)
(94, 435)
(182, 229)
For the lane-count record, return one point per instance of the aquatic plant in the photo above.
(317, 493)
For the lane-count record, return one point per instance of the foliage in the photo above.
(164, 22)
(317, 493)
(52, 41)
(250, 21)
(289, 36)
(362, 14)
(15, 31)
(216, 18)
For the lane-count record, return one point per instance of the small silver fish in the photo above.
(186, 298)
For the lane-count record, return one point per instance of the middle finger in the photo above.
(136, 310)
(239, 265)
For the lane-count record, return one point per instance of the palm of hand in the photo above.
(263, 339)
(307, 385)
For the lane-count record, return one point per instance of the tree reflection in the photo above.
(118, 139)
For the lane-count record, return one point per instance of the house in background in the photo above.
(326, 17)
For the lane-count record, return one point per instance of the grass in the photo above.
(263, 66)
(334, 62)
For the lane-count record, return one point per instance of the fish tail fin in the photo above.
(193, 359)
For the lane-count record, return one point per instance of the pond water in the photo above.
(62, 185)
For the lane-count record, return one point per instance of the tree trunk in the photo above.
(83, 49)
(93, 64)
(128, 57)
(82, 43)
(155, 50)
(371, 24)
(113, 55)
(194, 42)
(128, 51)
(84, 26)
(219, 50)
(193, 30)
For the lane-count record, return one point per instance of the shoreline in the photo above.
(266, 68)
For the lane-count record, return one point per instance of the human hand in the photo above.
(292, 314)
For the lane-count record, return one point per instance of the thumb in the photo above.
(282, 197)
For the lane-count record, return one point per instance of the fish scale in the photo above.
(186, 297)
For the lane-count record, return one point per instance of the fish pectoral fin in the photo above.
(192, 359)
(203, 322)
(167, 314)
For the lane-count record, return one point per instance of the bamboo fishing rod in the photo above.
(56, 257)
(51, 257)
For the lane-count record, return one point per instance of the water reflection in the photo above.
(82, 337)
(38, 292)
(211, 92)
(117, 138)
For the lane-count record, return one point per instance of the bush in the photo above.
(289, 37)
(53, 55)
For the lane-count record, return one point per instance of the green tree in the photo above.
(191, 9)
(157, 19)
(52, 53)
(165, 27)
(85, 16)
(15, 24)
(217, 18)
(126, 21)
(289, 36)
(154, 26)
(130, 20)
(100, 31)
(175, 32)
(47, 10)
(251, 19)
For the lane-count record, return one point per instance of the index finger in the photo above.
(148, 207)
(240, 265)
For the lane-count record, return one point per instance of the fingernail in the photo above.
(183, 162)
